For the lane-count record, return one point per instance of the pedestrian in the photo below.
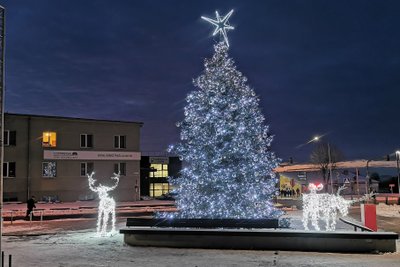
(30, 205)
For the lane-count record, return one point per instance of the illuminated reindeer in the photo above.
(106, 204)
(325, 207)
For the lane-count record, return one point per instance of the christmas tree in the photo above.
(226, 148)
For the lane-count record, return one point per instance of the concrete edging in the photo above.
(261, 239)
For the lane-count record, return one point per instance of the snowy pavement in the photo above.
(84, 248)
(73, 243)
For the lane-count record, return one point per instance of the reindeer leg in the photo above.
(333, 223)
(305, 220)
(99, 217)
(105, 222)
(327, 219)
(113, 219)
(314, 220)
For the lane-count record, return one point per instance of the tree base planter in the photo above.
(204, 223)
(261, 239)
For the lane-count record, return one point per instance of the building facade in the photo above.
(155, 168)
(358, 176)
(49, 157)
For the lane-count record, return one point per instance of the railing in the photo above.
(356, 225)
(9, 259)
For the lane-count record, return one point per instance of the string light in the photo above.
(325, 207)
(106, 204)
(221, 25)
(226, 145)
(49, 169)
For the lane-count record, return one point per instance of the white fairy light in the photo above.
(226, 145)
(106, 204)
(50, 169)
(221, 25)
(324, 207)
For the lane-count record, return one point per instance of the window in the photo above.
(161, 170)
(120, 141)
(49, 139)
(157, 189)
(120, 168)
(86, 140)
(86, 168)
(49, 169)
(10, 138)
(9, 169)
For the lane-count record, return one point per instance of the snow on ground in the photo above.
(388, 210)
(85, 249)
(74, 243)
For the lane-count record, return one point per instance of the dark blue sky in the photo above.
(318, 66)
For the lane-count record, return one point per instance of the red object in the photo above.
(368, 216)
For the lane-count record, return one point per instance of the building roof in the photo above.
(362, 163)
(70, 118)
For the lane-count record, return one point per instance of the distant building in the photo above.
(155, 168)
(49, 157)
(358, 176)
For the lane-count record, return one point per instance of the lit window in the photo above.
(120, 141)
(157, 189)
(49, 169)
(120, 168)
(49, 139)
(161, 170)
(86, 168)
(9, 169)
(86, 140)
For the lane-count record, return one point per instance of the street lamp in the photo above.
(367, 181)
(316, 139)
(398, 172)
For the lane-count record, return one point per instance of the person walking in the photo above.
(30, 205)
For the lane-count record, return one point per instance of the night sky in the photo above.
(318, 66)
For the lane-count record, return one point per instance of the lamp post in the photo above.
(367, 184)
(398, 172)
(316, 139)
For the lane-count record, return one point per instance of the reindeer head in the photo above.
(342, 205)
(340, 189)
(314, 188)
(102, 190)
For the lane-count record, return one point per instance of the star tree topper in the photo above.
(221, 25)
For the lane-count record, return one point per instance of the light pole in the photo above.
(316, 139)
(367, 179)
(398, 172)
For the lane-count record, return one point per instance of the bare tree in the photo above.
(320, 156)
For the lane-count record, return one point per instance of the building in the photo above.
(359, 176)
(49, 157)
(155, 168)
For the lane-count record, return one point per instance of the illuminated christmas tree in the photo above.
(226, 147)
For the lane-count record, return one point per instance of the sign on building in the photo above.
(90, 155)
(159, 160)
(302, 175)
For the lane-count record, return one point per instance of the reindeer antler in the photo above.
(91, 182)
(116, 178)
(340, 189)
(365, 197)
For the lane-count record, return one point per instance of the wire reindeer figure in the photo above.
(106, 204)
(325, 207)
